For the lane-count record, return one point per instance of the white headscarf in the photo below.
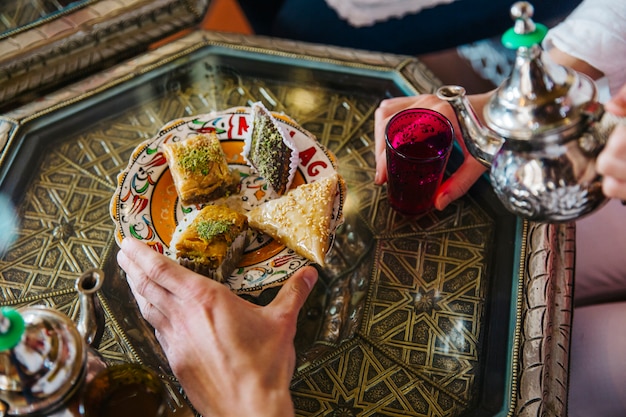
(361, 13)
(595, 32)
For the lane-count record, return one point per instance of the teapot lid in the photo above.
(540, 98)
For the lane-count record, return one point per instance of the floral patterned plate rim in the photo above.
(146, 206)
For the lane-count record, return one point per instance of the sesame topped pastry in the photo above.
(301, 219)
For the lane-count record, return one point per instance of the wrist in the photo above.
(278, 405)
(256, 402)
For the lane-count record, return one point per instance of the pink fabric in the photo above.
(598, 350)
(600, 274)
(598, 361)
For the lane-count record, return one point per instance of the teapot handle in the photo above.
(605, 126)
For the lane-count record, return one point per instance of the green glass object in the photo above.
(13, 335)
(513, 40)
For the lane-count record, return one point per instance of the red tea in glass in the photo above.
(418, 146)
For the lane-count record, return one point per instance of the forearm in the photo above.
(576, 64)
(594, 37)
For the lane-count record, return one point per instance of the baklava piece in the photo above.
(199, 169)
(211, 241)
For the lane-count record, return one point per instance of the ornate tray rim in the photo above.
(81, 38)
(70, 8)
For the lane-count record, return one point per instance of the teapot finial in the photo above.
(522, 12)
(525, 32)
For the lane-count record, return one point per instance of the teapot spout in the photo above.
(481, 143)
(90, 323)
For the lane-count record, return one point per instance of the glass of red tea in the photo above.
(418, 144)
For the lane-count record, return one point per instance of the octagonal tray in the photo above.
(452, 313)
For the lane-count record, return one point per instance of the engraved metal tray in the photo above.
(464, 312)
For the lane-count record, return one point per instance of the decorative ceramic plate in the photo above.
(146, 206)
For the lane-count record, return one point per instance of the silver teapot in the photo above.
(544, 130)
(45, 359)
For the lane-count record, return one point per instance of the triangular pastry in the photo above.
(302, 218)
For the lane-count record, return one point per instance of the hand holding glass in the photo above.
(418, 145)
